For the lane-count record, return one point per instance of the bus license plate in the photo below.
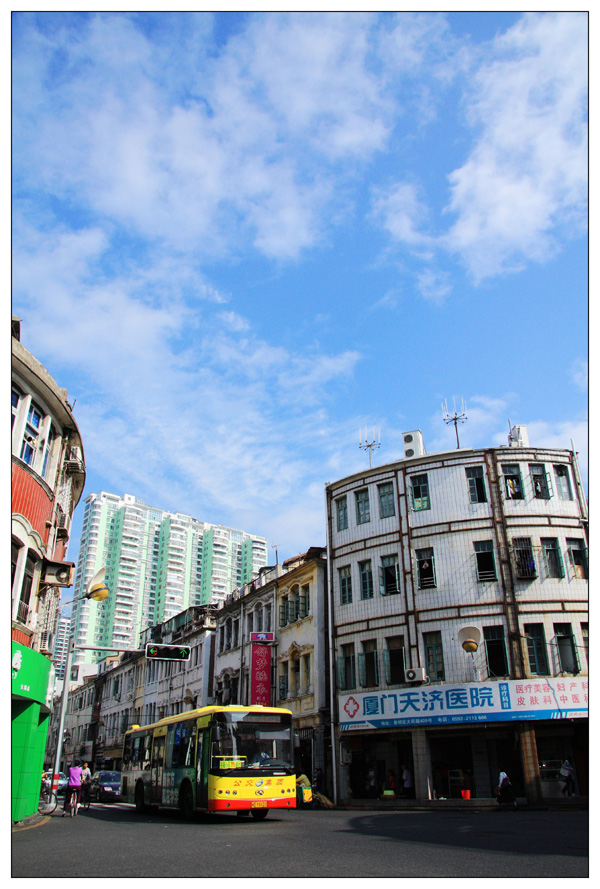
(259, 804)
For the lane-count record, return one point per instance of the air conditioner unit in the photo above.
(416, 674)
(58, 573)
(412, 442)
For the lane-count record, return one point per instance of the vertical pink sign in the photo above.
(260, 687)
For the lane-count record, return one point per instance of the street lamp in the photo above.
(98, 591)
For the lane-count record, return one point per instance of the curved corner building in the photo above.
(48, 475)
(458, 586)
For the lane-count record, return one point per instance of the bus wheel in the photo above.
(186, 800)
(140, 805)
(259, 814)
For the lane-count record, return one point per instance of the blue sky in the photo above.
(237, 238)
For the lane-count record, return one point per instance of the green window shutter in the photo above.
(382, 589)
(559, 559)
(362, 670)
(282, 614)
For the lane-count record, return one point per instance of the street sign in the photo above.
(167, 652)
(262, 637)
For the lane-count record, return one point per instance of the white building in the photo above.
(432, 550)
(157, 565)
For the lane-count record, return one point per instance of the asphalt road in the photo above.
(113, 841)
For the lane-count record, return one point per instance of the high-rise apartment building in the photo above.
(61, 645)
(157, 564)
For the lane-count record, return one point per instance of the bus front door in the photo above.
(202, 764)
(158, 763)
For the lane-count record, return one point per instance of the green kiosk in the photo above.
(29, 714)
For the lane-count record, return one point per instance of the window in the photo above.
(16, 396)
(536, 649)
(425, 568)
(389, 581)
(394, 660)
(585, 634)
(296, 676)
(386, 500)
(284, 612)
(434, 655)
(476, 484)
(363, 511)
(524, 562)
(26, 587)
(542, 486)
(259, 619)
(366, 579)
(341, 505)
(283, 681)
(420, 492)
(345, 668)
(345, 585)
(306, 594)
(368, 669)
(578, 560)
(563, 482)
(513, 485)
(307, 673)
(553, 562)
(566, 650)
(495, 651)
(486, 566)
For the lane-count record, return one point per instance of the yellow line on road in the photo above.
(29, 826)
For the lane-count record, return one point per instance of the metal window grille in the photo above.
(426, 569)
(486, 566)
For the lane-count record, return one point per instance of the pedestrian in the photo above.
(391, 781)
(318, 780)
(75, 773)
(371, 783)
(505, 796)
(407, 781)
(86, 783)
(566, 773)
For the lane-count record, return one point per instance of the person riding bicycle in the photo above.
(86, 783)
(75, 773)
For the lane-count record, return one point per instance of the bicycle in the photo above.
(71, 802)
(48, 801)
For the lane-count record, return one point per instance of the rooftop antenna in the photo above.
(275, 546)
(455, 417)
(369, 446)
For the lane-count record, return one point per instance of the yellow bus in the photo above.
(214, 759)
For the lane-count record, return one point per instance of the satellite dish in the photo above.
(469, 638)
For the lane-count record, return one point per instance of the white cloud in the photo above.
(579, 374)
(527, 174)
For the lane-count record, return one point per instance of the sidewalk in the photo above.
(464, 805)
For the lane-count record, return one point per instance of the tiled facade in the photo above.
(494, 539)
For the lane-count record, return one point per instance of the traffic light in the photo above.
(156, 652)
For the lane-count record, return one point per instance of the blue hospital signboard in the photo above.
(498, 701)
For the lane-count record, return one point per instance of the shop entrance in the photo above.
(452, 766)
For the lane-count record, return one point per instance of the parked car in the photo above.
(106, 787)
(62, 783)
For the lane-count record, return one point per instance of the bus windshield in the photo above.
(251, 741)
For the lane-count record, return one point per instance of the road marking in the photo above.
(29, 826)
